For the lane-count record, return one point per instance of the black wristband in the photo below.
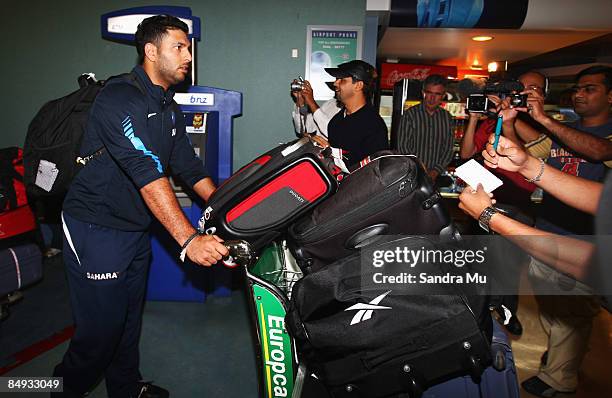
(187, 242)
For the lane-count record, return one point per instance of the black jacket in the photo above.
(359, 134)
(144, 136)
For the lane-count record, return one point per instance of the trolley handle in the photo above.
(240, 253)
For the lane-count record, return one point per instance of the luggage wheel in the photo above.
(414, 388)
(499, 358)
(475, 369)
(365, 236)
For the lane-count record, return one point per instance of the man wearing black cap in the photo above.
(357, 129)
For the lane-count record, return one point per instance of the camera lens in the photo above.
(296, 86)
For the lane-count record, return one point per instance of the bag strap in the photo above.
(369, 159)
(131, 76)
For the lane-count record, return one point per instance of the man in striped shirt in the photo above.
(425, 129)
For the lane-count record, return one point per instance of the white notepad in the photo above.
(473, 173)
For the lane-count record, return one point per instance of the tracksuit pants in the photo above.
(107, 273)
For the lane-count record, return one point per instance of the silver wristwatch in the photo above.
(485, 217)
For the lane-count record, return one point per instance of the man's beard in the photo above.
(173, 76)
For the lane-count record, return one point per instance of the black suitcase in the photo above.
(362, 339)
(263, 198)
(20, 266)
(391, 195)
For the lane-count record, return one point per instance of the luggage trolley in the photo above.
(269, 281)
(252, 211)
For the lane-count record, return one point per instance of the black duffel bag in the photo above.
(365, 340)
(391, 194)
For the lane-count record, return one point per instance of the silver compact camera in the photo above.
(298, 84)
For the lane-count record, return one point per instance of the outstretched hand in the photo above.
(474, 201)
(508, 156)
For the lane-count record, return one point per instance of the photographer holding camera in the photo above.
(515, 193)
(578, 149)
(308, 116)
(593, 108)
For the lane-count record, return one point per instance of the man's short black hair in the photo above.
(153, 29)
(435, 80)
(596, 70)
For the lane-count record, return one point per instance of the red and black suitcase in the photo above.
(390, 195)
(263, 198)
(16, 217)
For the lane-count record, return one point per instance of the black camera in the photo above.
(479, 103)
(297, 84)
(517, 100)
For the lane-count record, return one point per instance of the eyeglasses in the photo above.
(535, 87)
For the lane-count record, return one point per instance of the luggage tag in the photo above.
(46, 175)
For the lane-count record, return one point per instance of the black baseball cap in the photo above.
(357, 69)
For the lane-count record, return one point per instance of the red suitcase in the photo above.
(16, 217)
(263, 198)
(16, 222)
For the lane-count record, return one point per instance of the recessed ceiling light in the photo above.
(482, 38)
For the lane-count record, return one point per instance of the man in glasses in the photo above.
(591, 100)
(578, 148)
(425, 129)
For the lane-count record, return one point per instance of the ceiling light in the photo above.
(497, 66)
(482, 38)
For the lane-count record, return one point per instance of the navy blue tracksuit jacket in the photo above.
(144, 137)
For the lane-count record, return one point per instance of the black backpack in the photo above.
(55, 135)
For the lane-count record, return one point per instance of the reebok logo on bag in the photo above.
(365, 311)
